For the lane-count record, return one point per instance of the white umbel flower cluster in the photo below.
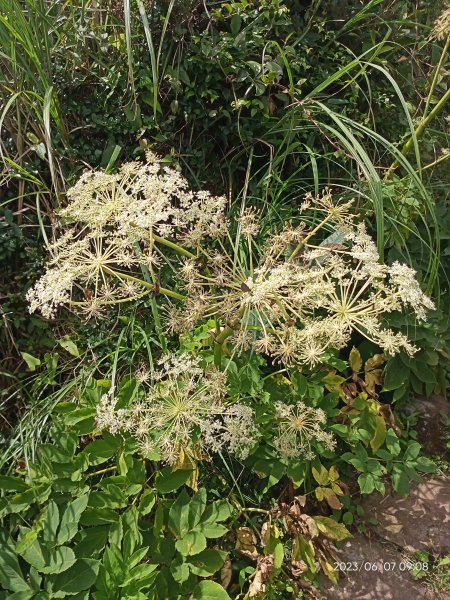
(300, 297)
(300, 429)
(115, 224)
(184, 412)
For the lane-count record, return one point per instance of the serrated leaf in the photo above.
(81, 576)
(71, 518)
(11, 577)
(332, 529)
(59, 560)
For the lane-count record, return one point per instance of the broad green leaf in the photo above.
(180, 570)
(167, 480)
(32, 361)
(11, 577)
(412, 451)
(71, 518)
(366, 483)
(81, 576)
(25, 595)
(395, 374)
(400, 481)
(13, 484)
(423, 371)
(332, 529)
(91, 541)
(213, 530)
(192, 543)
(36, 555)
(147, 502)
(209, 590)
(235, 24)
(207, 562)
(99, 451)
(69, 345)
(196, 508)
(60, 559)
(51, 522)
(392, 442)
(217, 511)
(179, 515)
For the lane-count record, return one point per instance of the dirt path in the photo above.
(378, 565)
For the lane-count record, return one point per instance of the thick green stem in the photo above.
(419, 131)
(146, 284)
(309, 236)
(434, 81)
(173, 246)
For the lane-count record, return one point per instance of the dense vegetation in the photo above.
(224, 239)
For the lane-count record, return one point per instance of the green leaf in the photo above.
(167, 480)
(36, 555)
(217, 511)
(423, 371)
(400, 481)
(179, 515)
(25, 595)
(11, 577)
(332, 529)
(99, 451)
(207, 563)
(214, 530)
(192, 543)
(60, 559)
(147, 502)
(180, 570)
(13, 484)
(395, 374)
(235, 24)
(69, 345)
(209, 590)
(412, 451)
(32, 361)
(392, 442)
(366, 483)
(81, 576)
(71, 518)
(51, 522)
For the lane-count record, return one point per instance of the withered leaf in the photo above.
(246, 542)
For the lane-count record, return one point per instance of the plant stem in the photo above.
(173, 246)
(309, 236)
(419, 132)
(102, 471)
(146, 284)
(436, 76)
